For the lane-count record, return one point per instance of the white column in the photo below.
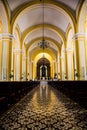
(79, 39)
(6, 39)
(16, 63)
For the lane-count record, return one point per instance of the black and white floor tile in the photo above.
(45, 108)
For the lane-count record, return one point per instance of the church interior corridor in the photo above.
(43, 64)
(45, 108)
(43, 39)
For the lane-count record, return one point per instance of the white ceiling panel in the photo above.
(71, 3)
(36, 16)
(40, 33)
(30, 18)
(13, 4)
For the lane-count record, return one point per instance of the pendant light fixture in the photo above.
(43, 43)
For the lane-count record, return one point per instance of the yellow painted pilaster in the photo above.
(86, 55)
(32, 62)
(69, 53)
(30, 69)
(9, 54)
(0, 51)
(7, 40)
(25, 69)
(20, 66)
(28, 75)
(60, 58)
(85, 28)
(34, 70)
(66, 63)
(17, 64)
(51, 69)
(58, 69)
(14, 65)
(73, 67)
(78, 64)
(0, 60)
(54, 67)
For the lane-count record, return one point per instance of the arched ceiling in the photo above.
(70, 3)
(59, 14)
(15, 3)
(39, 33)
(37, 16)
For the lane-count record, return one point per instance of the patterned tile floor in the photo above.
(45, 108)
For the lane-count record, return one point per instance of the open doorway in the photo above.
(43, 69)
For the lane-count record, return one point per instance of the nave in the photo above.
(44, 108)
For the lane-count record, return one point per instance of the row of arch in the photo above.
(69, 60)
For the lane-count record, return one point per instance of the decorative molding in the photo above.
(25, 58)
(60, 57)
(79, 35)
(18, 51)
(7, 36)
(32, 61)
(54, 61)
(67, 50)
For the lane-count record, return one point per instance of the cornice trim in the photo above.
(79, 35)
(5, 36)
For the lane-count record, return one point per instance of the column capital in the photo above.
(54, 61)
(60, 57)
(66, 50)
(32, 61)
(25, 58)
(7, 36)
(18, 51)
(79, 35)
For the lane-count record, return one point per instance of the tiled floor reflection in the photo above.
(45, 109)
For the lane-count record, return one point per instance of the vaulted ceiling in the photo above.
(16, 3)
(50, 18)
